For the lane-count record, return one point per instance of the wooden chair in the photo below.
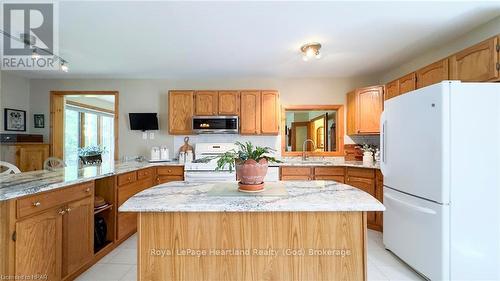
(52, 163)
(8, 169)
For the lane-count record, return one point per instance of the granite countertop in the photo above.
(17, 185)
(303, 196)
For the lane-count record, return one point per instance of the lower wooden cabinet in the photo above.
(38, 245)
(26, 156)
(78, 235)
(296, 173)
(169, 173)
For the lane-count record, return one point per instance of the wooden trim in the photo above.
(54, 94)
(91, 107)
(82, 129)
(339, 126)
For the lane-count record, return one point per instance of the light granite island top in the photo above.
(303, 230)
(301, 196)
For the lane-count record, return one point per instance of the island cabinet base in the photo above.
(252, 246)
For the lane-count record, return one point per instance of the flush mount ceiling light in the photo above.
(310, 50)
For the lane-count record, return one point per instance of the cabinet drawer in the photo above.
(127, 178)
(331, 178)
(170, 171)
(361, 172)
(293, 178)
(39, 202)
(145, 173)
(329, 171)
(127, 223)
(127, 191)
(367, 185)
(295, 171)
(163, 179)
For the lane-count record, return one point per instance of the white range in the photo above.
(441, 166)
(206, 171)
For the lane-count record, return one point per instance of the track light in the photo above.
(64, 66)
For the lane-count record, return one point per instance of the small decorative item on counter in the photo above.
(377, 155)
(186, 146)
(91, 155)
(367, 153)
(155, 153)
(251, 165)
(164, 155)
(189, 156)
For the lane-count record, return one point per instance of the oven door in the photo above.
(215, 124)
(209, 176)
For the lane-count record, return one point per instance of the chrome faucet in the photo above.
(304, 152)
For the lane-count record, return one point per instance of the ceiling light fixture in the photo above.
(64, 66)
(310, 50)
(35, 55)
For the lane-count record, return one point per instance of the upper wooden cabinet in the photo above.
(270, 110)
(433, 73)
(206, 103)
(477, 63)
(407, 83)
(180, 112)
(391, 89)
(364, 107)
(229, 103)
(250, 112)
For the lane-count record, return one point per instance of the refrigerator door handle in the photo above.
(383, 137)
(409, 205)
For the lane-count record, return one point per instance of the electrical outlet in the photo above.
(151, 136)
(144, 135)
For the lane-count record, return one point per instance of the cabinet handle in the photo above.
(68, 209)
(62, 212)
(36, 204)
(88, 189)
(170, 171)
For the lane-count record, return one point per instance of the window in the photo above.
(83, 128)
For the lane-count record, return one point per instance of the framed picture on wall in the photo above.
(39, 121)
(14, 120)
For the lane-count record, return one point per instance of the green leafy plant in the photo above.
(244, 152)
(91, 150)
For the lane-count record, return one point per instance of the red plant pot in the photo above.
(251, 174)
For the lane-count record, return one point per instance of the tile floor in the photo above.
(120, 264)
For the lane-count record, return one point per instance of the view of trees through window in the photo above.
(84, 128)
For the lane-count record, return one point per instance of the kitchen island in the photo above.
(308, 230)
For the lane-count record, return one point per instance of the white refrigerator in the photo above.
(440, 157)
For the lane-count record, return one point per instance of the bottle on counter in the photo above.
(189, 156)
(182, 157)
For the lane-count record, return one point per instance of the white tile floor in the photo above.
(121, 263)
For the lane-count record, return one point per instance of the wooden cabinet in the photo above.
(364, 179)
(391, 89)
(180, 112)
(330, 173)
(270, 112)
(477, 63)
(432, 74)
(169, 173)
(296, 173)
(78, 235)
(229, 103)
(407, 83)
(38, 245)
(364, 107)
(206, 103)
(250, 112)
(26, 156)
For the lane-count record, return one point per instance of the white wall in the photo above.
(15, 94)
(151, 96)
(476, 35)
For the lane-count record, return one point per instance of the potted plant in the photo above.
(251, 165)
(91, 154)
(368, 151)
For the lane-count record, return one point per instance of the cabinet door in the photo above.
(250, 113)
(78, 235)
(391, 89)
(369, 108)
(368, 186)
(351, 113)
(270, 113)
(229, 103)
(433, 73)
(38, 245)
(478, 63)
(180, 112)
(206, 103)
(407, 83)
(31, 157)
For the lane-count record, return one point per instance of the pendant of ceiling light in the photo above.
(310, 51)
